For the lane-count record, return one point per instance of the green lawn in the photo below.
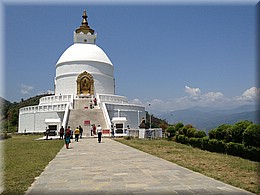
(229, 169)
(25, 159)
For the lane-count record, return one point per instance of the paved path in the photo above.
(113, 168)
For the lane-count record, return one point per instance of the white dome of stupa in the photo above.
(84, 52)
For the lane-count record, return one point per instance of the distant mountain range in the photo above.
(206, 118)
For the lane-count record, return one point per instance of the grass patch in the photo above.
(25, 159)
(232, 170)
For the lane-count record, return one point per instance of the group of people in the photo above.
(78, 132)
(68, 134)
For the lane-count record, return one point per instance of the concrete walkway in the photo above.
(110, 167)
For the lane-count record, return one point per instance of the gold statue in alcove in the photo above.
(85, 84)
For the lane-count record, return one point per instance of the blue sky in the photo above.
(171, 56)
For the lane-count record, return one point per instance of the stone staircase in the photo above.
(82, 114)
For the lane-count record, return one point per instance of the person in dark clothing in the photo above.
(67, 137)
(112, 131)
(80, 131)
(61, 132)
(47, 132)
(95, 102)
(99, 131)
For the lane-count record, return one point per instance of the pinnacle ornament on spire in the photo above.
(84, 28)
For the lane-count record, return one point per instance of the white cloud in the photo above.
(136, 101)
(25, 89)
(195, 97)
(249, 95)
(192, 91)
(213, 96)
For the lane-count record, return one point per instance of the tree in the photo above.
(212, 134)
(10, 112)
(171, 130)
(200, 134)
(178, 126)
(222, 131)
(163, 126)
(252, 135)
(186, 128)
(191, 132)
(238, 129)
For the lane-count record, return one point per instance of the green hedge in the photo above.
(214, 145)
(252, 135)
(182, 139)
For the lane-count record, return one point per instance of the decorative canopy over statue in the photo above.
(85, 84)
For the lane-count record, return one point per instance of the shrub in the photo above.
(238, 129)
(182, 139)
(195, 142)
(228, 135)
(252, 135)
(185, 130)
(191, 132)
(216, 146)
(171, 130)
(178, 126)
(234, 148)
(222, 131)
(252, 153)
(200, 134)
(212, 134)
(204, 143)
(248, 152)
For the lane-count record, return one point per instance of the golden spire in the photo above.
(84, 25)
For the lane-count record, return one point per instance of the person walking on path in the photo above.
(99, 131)
(76, 133)
(61, 132)
(112, 132)
(80, 131)
(95, 102)
(94, 129)
(91, 130)
(47, 132)
(71, 134)
(67, 137)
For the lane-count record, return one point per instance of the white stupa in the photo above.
(83, 73)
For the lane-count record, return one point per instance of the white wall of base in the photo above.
(35, 122)
(133, 117)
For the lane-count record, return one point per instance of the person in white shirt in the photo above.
(99, 131)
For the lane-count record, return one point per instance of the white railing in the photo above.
(124, 107)
(66, 115)
(43, 108)
(112, 98)
(105, 113)
(56, 99)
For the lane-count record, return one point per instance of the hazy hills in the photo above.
(205, 118)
